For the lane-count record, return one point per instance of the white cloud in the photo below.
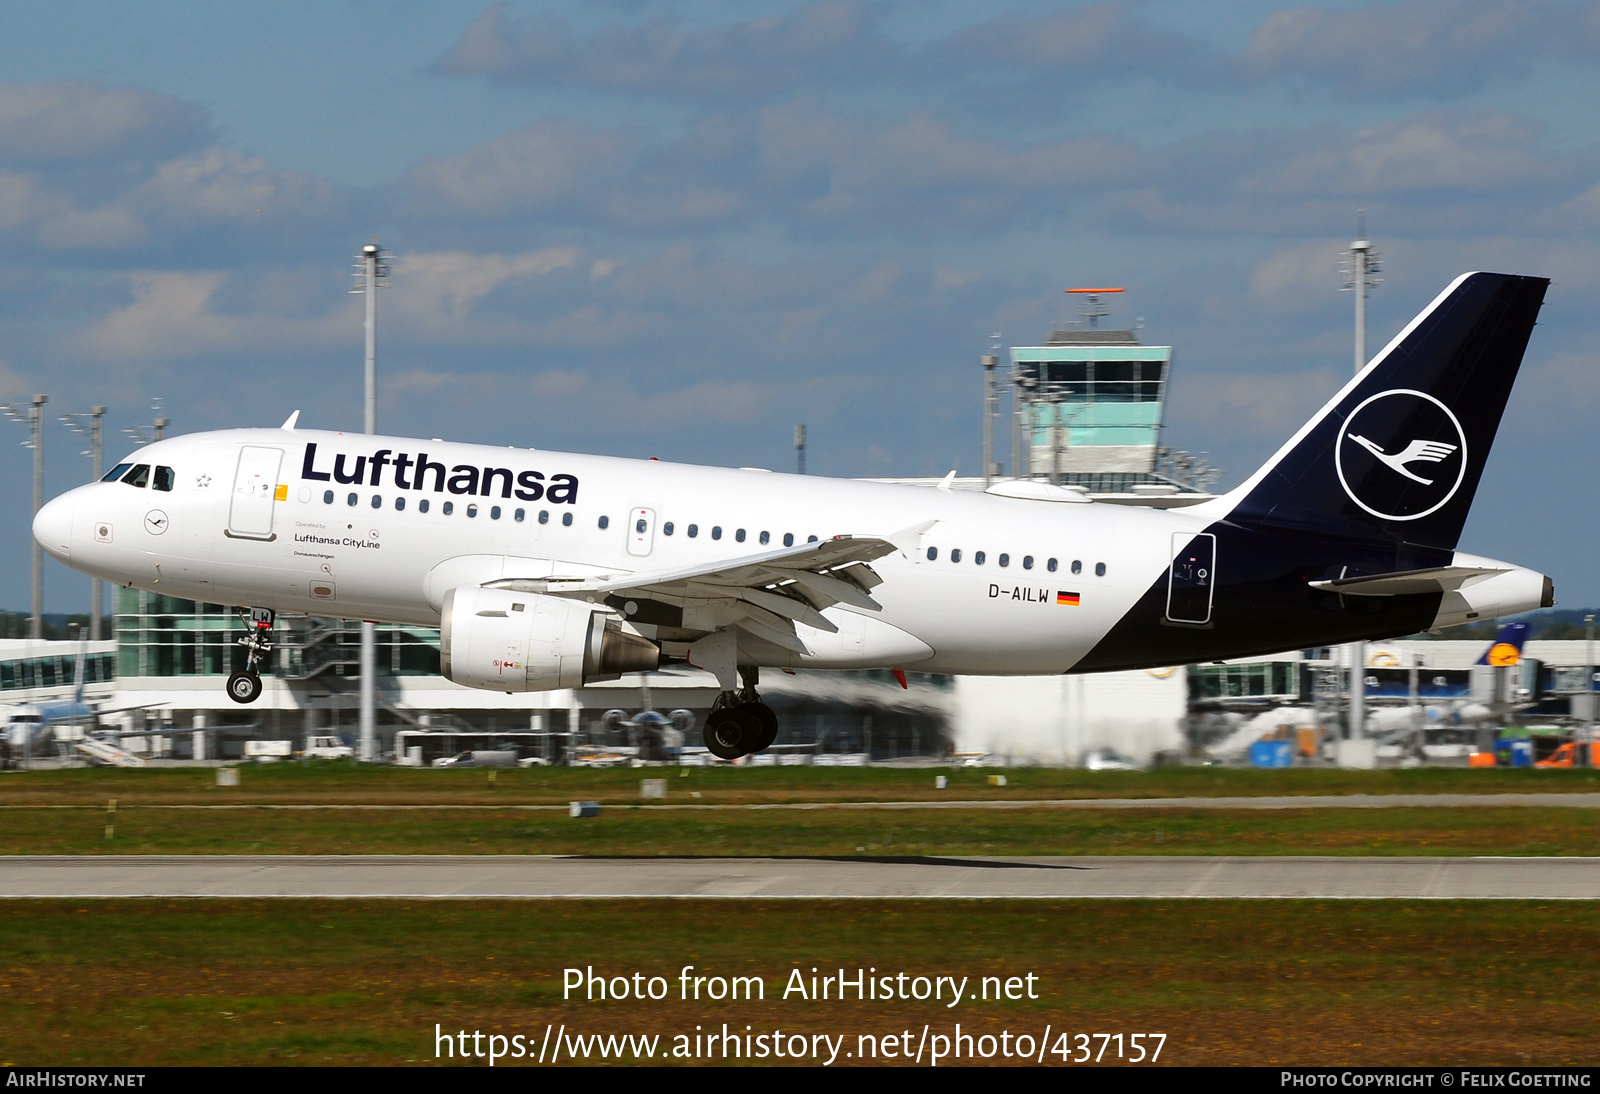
(437, 290)
(75, 120)
(173, 316)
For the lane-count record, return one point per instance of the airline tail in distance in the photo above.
(1506, 649)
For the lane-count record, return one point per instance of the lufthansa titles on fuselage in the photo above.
(407, 472)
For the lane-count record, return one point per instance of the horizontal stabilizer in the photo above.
(1440, 579)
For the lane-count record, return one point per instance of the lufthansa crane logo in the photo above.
(1503, 655)
(1401, 455)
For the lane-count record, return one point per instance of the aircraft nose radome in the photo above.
(52, 527)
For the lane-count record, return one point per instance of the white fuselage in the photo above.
(369, 559)
(348, 525)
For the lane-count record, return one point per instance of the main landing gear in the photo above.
(245, 687)
(740, 723)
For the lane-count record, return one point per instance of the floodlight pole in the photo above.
(32, 416)
(1363, 264)
(989, 361)
(371, 269)
(91, 425)
(36, 625)
(1588, 684)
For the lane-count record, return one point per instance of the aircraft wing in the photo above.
(762, 594)
(1407, 582)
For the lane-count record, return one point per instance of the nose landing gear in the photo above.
(740, 723)
(245, 687)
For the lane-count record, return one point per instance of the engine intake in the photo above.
(507, 641)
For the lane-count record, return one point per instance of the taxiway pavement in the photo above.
(577, 877)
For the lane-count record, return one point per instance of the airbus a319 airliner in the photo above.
(550, 570)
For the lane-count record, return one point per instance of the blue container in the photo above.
(1271, 754)
(1521, 753)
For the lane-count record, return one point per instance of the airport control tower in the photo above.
(1088, 407)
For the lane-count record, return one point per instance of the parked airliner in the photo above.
(549, 570)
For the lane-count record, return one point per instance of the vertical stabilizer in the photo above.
(1398, 453)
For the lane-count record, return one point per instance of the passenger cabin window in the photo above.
(1005, 560)
(566, 520)
(399, 503)
(327, 497)
(1077, 566)
(716, 531)
(1051, 565)
(494, 513)
(605, 522)
(422, 506)
(978, 558)
(766, 538)
(1099, 569)
(666, 529)
(139, 476)
(544, 516)
(693, 530)
(788, 539)
(739, 535)
(955, 555)
(351, 500)
(520, 515)
(1027, 562)
(449, 507)
(116, 472)
(472, 510)
(165, 477)
(377, 501)
(933, 553)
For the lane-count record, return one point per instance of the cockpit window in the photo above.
(139, 476)
(164, 478)
(116, 472)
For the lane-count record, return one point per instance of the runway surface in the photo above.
(541, 877)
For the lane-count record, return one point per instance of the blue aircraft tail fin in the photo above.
(1397, 454)
(1506, 649)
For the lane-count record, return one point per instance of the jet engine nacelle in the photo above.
(507, 641)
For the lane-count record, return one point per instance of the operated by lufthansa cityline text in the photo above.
(809, 985)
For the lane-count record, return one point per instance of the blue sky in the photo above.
(675, 229)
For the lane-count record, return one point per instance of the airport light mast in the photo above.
(989, 361)
(1361, 269)
(92, 426)
(155, 431)
(32, 416)
(1587, 754)
(372, 267)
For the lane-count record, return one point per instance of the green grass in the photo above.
(65, 812)
(349, 783)
(134, 983)
(628, 831)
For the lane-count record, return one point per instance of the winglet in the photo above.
(290, 421)
(905, 539)
(944, 483)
